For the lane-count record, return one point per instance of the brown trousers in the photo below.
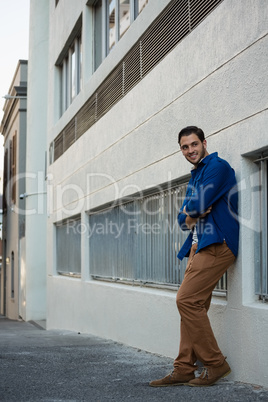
(197, 341)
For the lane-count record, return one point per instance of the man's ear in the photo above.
(205, 144)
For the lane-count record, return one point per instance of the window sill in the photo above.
(70, 274)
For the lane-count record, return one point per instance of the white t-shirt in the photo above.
(194, 238)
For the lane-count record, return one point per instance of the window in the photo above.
(124, 16)
(119, 20)
(112, 24)
(12, 167)
(12, 276)
(68, 247)
(112, 18)
(71, 73)
(261, 245)
(97, 34)
(6, 177)
(138, 241)
(140, 4)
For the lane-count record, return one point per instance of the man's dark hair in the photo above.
(192, 130)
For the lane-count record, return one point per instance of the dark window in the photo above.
(68, 247)
(13, 170)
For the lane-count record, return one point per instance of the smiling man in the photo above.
(194, 146)
(209, 212)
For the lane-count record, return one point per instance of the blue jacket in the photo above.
(213, 183)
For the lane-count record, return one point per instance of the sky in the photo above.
(14, 40)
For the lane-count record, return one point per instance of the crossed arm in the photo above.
(190, 222)
(214, 185)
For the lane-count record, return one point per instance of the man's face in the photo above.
(193, 149)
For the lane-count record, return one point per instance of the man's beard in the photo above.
(202, 155)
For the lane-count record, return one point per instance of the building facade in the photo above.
(23, 277)
(123, 77)
(13, 128)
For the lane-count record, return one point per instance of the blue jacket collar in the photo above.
(209, 157)
(204, 161)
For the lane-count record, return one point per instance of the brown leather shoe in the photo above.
(172, 379)
(210, 375)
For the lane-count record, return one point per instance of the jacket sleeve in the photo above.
(181, 220)
(217, 180)
(182, 216)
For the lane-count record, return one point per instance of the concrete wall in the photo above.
(215, 78)
(34, 254)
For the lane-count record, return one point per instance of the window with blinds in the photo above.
(261, 235)
(138, 241)
(68, 247)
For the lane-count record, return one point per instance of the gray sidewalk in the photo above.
(40, 365)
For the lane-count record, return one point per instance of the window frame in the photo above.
(13, 167)
(104, 41)
(62, 246)
(71, 74)
(69, 64)
(12, 279)
(5, 181)
(261, 268)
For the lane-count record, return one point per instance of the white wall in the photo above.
(35, 227)
(215, 78)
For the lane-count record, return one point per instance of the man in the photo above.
(209, 211)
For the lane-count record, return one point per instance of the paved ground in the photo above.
(40, 365)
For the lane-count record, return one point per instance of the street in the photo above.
(58, 365)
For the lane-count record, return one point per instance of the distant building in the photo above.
(112, 83)
(23, 277)
(13, 128)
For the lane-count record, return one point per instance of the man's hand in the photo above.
(206, 213)
(203, 214)
(190, 222)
